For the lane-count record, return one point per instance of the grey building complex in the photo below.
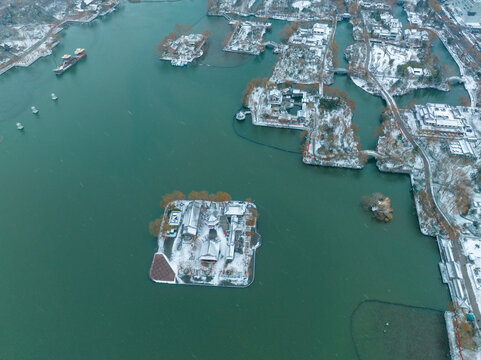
(468, 10)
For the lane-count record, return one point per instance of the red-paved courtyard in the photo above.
(161, 270)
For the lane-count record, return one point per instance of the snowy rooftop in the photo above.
(207, 243)
(446, 118)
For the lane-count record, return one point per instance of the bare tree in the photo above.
(287, 31)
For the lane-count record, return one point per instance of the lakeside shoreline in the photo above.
(45, 46)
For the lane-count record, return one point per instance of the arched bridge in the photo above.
(340, 71)
(374, 154)
(454, 79)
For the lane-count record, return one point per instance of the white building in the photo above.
(274, 97)
(419, 72)
(461, 147)
(392, 29)
(456, 123)
(191, 219)
(415, 37)
(468, 10)
(439, 117)
(235, 208)
(174, 218)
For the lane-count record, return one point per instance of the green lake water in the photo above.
(80, 184)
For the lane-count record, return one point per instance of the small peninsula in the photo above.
(181, 48)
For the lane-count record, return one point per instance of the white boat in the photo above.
(19, 126)
(54, 97)
(34, 110)
(240, 115)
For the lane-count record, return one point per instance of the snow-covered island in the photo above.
(296, 97)
(204, 242)
(397, 68)
(247, 37)
(308, 57)
(181, 50)
(378, 205)
(332, 138)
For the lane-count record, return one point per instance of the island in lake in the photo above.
(204, 242)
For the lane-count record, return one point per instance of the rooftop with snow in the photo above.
(183, 49)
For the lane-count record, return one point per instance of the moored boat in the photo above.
(19, 126)
(34, 110)
(240, 115)
(80, 53)
(67, 62)
(54, 97)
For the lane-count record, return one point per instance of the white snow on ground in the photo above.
(301, 5)
(247, 37)
(385, 59)
(472, 250)
(265, 114)
(184, 49)
(229, 7)
(449, 318)
(302, 62)
(453, 347)
(26, 37)
(332, 141)
(187, 252)
(383, 65)
(398, 154)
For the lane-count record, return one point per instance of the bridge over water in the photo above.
(340, 71)
(454, 79)
(374, 154)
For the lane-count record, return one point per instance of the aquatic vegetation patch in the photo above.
(384, 330)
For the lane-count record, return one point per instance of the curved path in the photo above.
(441, 216)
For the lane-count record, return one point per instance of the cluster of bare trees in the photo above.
(227, 39)
(464, 101)
(332, 92)
(220, 196)
(390, 145)
(455, 181)
(179, 30)
(287, 31)
(213, 6)
(354, 8)
(154, 227)
(379, 206)
(340, 6)
(251, 85)
(334, 52)
(435, 6)
(159, 226)
(427, 205)
(465, 329)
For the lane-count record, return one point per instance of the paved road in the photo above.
(457, 248)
